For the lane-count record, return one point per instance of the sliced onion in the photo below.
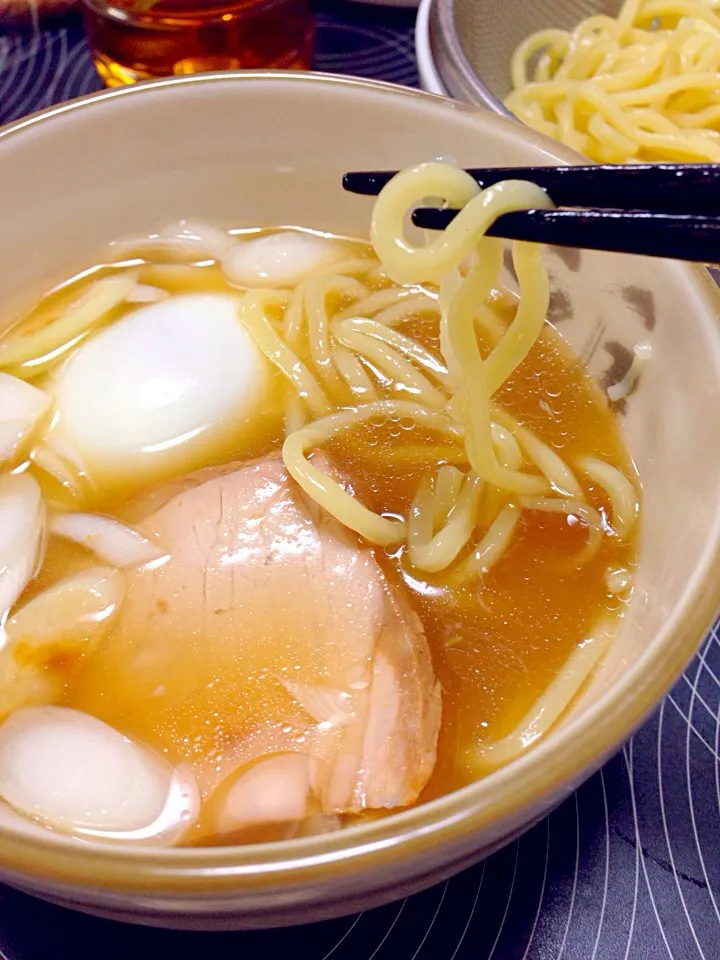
(317, 824)
(112, 541)
(25, 685)
(68, 618)
(275, 790)
(204, 236)
(21, 407)
(181, 240)
(90, 310)
(278, 259)
(47, 458)
(22, 536)
(77, 774)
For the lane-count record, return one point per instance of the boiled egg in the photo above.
(170, 387)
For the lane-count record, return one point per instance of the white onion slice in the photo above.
(278, 259)
(75, 773)
(22, 536)
(25, 684)
(69, 617)
(112, 541)
(274, 790)
(55, 465)
(21, 407)
(185, 239)
(207, 238)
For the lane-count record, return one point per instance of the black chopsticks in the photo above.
(660, 210)
(660, 187)
(650, 234)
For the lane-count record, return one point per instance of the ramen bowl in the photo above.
(263, 149)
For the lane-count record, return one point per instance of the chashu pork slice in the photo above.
(270, 652)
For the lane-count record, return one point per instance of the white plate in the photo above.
(429, 77)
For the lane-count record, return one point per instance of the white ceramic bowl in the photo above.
(266, 148)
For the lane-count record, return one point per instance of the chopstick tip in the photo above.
(367, 184)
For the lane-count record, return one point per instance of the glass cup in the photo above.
(141, 39)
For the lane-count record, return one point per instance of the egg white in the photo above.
(161, 390)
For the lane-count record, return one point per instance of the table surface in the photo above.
(627, 869)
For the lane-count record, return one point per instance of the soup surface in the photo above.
(258, 645)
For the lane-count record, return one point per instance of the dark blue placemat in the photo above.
(627, 869)
(45, 66)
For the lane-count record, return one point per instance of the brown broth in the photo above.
(496, 643)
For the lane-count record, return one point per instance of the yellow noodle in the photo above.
(317, 317)
(492, 546)
(475, 412)
(489, 322)
(553, 703)
(506, 446)
(353, 373)
(557, 40)
(623, 498)
(375, 302)
(405, 345)
(448, 484)
(434, 553)
(444, 516)
(409, 264)
(550, 463)
(465, 235)
(384, 531)
(295, 417)
(377, 275)
(399, 370)
(571, 508)
(420, 519)
(493, 501)
(411, 307)
(294, 320)
(253, 312)
(529, 318)
(295, 315)
(173, 277)
(613, 145)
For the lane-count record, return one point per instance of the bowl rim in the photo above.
(430, 79)
(452, 64)
(544, 775)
